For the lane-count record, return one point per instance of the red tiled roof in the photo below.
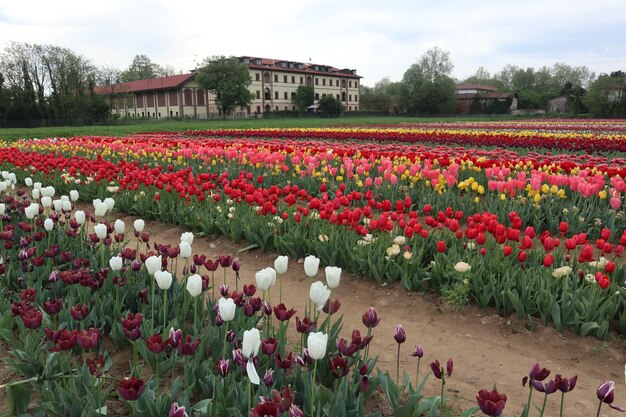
(475, 87)
(164, 83)
(268, 63)
(486, 96)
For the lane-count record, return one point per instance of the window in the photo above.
(246, 61)
(300, 67)
(143, 114)
(336, 83)
(291, 65)
(283, 64)
(293, 108)
(349, 83)
(323, 95)
(284, 78)
(258, 94)
(258, 109)
(276, 108)
(257, 61)
(317, 96)
(293, 79)
(286, 108)
(200, 97)
(159, 115)
(301, 80)
(176, 114)
(286, 95)
(350, 97)
(257, 76)
(356, 98)
(337, 96)
(293, 95)
(266, 77)
(276, 95)
(275, 78)
(343, 96)
(323, 81)
(267, 94)
(171, 113)
(317, 81)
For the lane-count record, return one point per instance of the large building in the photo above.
(478, 98)
(274, 83)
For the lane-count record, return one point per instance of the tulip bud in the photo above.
(119, 226)
(333, 276)
(48, 224)
(139, 225)
(318, 294)
(100, 209)
(185, 250)
(187, 237)
(31, 211)
(110, 203)
(194, 285)
(100, 230)
(251, 343)
(73, 195)
(79, 216)
(153, 264)
(316, 344)
(163, 279)
(28, 181)
(280, 264)
(400, 335)
(263, 279)
(311, 265)
(227, 308)
(370, 318)
(116, 263)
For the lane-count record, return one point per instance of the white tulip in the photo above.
(37, 185)
(109, 202)
(46, 202)
(4, 174)
(74, 195)
(100, 230)
(319, 294)
(227, 308)
(251, 343)
(316, 344)
(311, 265)
(57, 204)
(139, 225)
(163, 279)
(280, 264)
(185, 250)
(187, 237)
(3, 188)
(100, 209)
(48, 224)
(272, 272)
(263, 279)
(65, 198)
(333, 276)
(95, 202)
(49, 191)
(561, 272)
(79, 216)
(3, 208)
(12, 178)
(116, 263)
(194, 285)
(28, 181)
(399, 240)
(119, 226)
(153, 264)
(31, 211)
(462, 267)
(66, 206)
(36, 194)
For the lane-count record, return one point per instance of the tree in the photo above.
(427, 87)
(607, 95)
(141, 68)
(228, 80)
(305, 96)
(329, 106)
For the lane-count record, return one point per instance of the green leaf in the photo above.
(587, 327)
(18, 397)
(470, 412)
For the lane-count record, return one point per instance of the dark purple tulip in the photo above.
(130, 388)
(436, 368)
(32, 318)
(400, 335)
(176, 411)
(269, 346)
(295, 411)
(547, 388)
(175, 336)
(418, 352)
(565, 384)
(268, 378)
(449, 366)
(236, 265)
(304, 359)
(606, 394)
(223, 367)
(370, 318)
(219, 320)
(135, 265)
(536, 374)
(79, 312)
(283, 363)
(53, 305)
(491, 403)
(224, 290)
(267, 308)
(187, 346)
(225, 261)
(88, 339)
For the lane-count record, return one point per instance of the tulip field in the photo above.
(526, 217)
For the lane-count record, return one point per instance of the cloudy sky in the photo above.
(377, 38)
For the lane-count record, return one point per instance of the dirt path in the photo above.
(486, 349)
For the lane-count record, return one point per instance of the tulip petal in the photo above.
(252, 374)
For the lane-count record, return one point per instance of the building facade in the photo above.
(478, 99)
(274, 84)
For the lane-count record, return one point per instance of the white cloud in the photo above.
(378, 39)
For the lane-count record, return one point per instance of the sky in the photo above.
(377, 38)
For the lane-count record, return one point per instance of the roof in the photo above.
(308, 68)
(475, 87)
(486, 96)
(151, 84)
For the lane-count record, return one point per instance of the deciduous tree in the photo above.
(228, 80)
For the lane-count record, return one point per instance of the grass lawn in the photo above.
(180, 125)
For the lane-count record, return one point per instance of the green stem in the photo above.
(152, 299)
(599, 407)
(225, 340)
(367, 348)
(195, 314)
(443, 383)
(562, 401)
(398, 367)
(313, 387)
(543, 407)
(530, 394)
(280, 294)
(417, 373)
(165, 309)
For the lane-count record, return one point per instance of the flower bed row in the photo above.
(75, 283)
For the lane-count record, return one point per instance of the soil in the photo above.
(487, 349)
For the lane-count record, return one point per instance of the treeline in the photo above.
(427, 88)
(52, 85)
